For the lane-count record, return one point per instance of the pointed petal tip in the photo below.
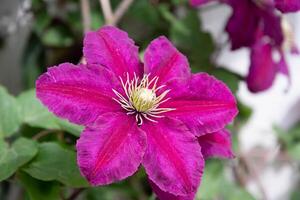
(110, 151)
(173, 158)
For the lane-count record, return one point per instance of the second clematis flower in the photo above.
(265, 32)
(157, 115)
(284, 6)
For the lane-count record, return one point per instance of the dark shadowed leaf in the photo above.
(198, 45)
(39, 190)
(229, 78)
(15, 156)
(54, 162)
(57, 36)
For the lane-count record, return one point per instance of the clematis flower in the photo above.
(287, 5)
(253, 15)
(265, 32)
(157, 115)
(264, 67)
(282, 5)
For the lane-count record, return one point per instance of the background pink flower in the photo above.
(258, 26)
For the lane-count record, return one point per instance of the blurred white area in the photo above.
(276, 106)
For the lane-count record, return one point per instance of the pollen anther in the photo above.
(140, 98)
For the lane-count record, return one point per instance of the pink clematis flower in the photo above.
(284, 6)
(264, 32)
(155, 114)
(263, 67)
(253, 15)
(287, 5)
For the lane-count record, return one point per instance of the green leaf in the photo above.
(234, 192)
(186, 33)
(37, 189)
(212, 180)
(295, 194)
(96, 19)
(57, 36)
(244, 112)
(294, 151)
(11, 158)
(176, 24)
(37, 115)
(54, 162)
(32, 59)
(43, 19)
(10, 118)
(290, 140)
(229, 78)
(143, 22)
(214, 184)
(69, 127)
(34, 113)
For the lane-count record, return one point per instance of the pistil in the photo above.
(141, 99)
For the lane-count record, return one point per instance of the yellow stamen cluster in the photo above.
(141, 99)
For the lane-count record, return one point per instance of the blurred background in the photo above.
(36, 34)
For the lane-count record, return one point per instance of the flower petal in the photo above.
(111, 150)
(287, 5)
(173, 158)
(272, 26)
(77, 93)
(244, 12)
(112, 48)
(203, 103)
(282, 65)
(262, 70)
(162, 195)
(163, 60)
(217, 144)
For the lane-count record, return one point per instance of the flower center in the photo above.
(141, 100)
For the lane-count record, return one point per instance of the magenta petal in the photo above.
(111, 150)
(243, 23)
(78, 93)
(262, 70)
(282, 65)
(204, 104)
(217, 144)
(163, 60)
(173, 158)
(272, 26)
(287, 5)
(112, 48)
(162, 195)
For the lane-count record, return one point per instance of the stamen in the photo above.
(140, 98)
